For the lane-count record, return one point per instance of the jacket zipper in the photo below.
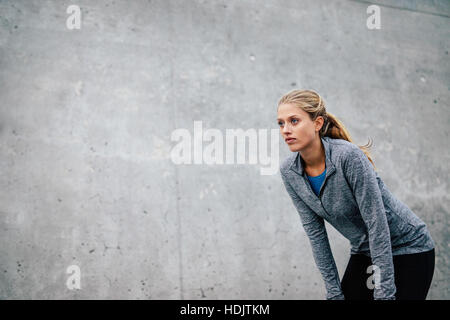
(320, 192)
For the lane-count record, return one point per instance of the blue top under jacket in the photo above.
(316, 182)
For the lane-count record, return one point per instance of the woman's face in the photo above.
(296, 125)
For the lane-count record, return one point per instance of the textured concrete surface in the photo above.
(86, 118)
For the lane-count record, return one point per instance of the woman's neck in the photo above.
(314, 155)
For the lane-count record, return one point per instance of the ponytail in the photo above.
(335, 129)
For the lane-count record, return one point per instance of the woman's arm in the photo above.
(315, 229)
(361, 177)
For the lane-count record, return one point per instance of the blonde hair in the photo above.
(312, 103)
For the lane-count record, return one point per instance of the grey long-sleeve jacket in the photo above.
(355, 201)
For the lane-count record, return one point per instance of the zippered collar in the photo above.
(297, 166)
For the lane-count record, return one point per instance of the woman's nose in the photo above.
(286, 128)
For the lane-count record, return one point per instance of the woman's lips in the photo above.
(290, 140)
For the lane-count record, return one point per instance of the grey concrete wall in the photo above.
(86, 118)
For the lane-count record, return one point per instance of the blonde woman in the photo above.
(330, 178)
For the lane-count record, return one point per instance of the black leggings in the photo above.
(413, 274)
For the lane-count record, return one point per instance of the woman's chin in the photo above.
(294, 147)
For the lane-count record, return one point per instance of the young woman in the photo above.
(330, 178)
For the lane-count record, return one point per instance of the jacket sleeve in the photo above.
(361, 177)
(315, 229)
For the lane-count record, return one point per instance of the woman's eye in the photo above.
(280, 123)
(294, 120)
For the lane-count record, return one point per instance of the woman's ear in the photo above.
(318, 123)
